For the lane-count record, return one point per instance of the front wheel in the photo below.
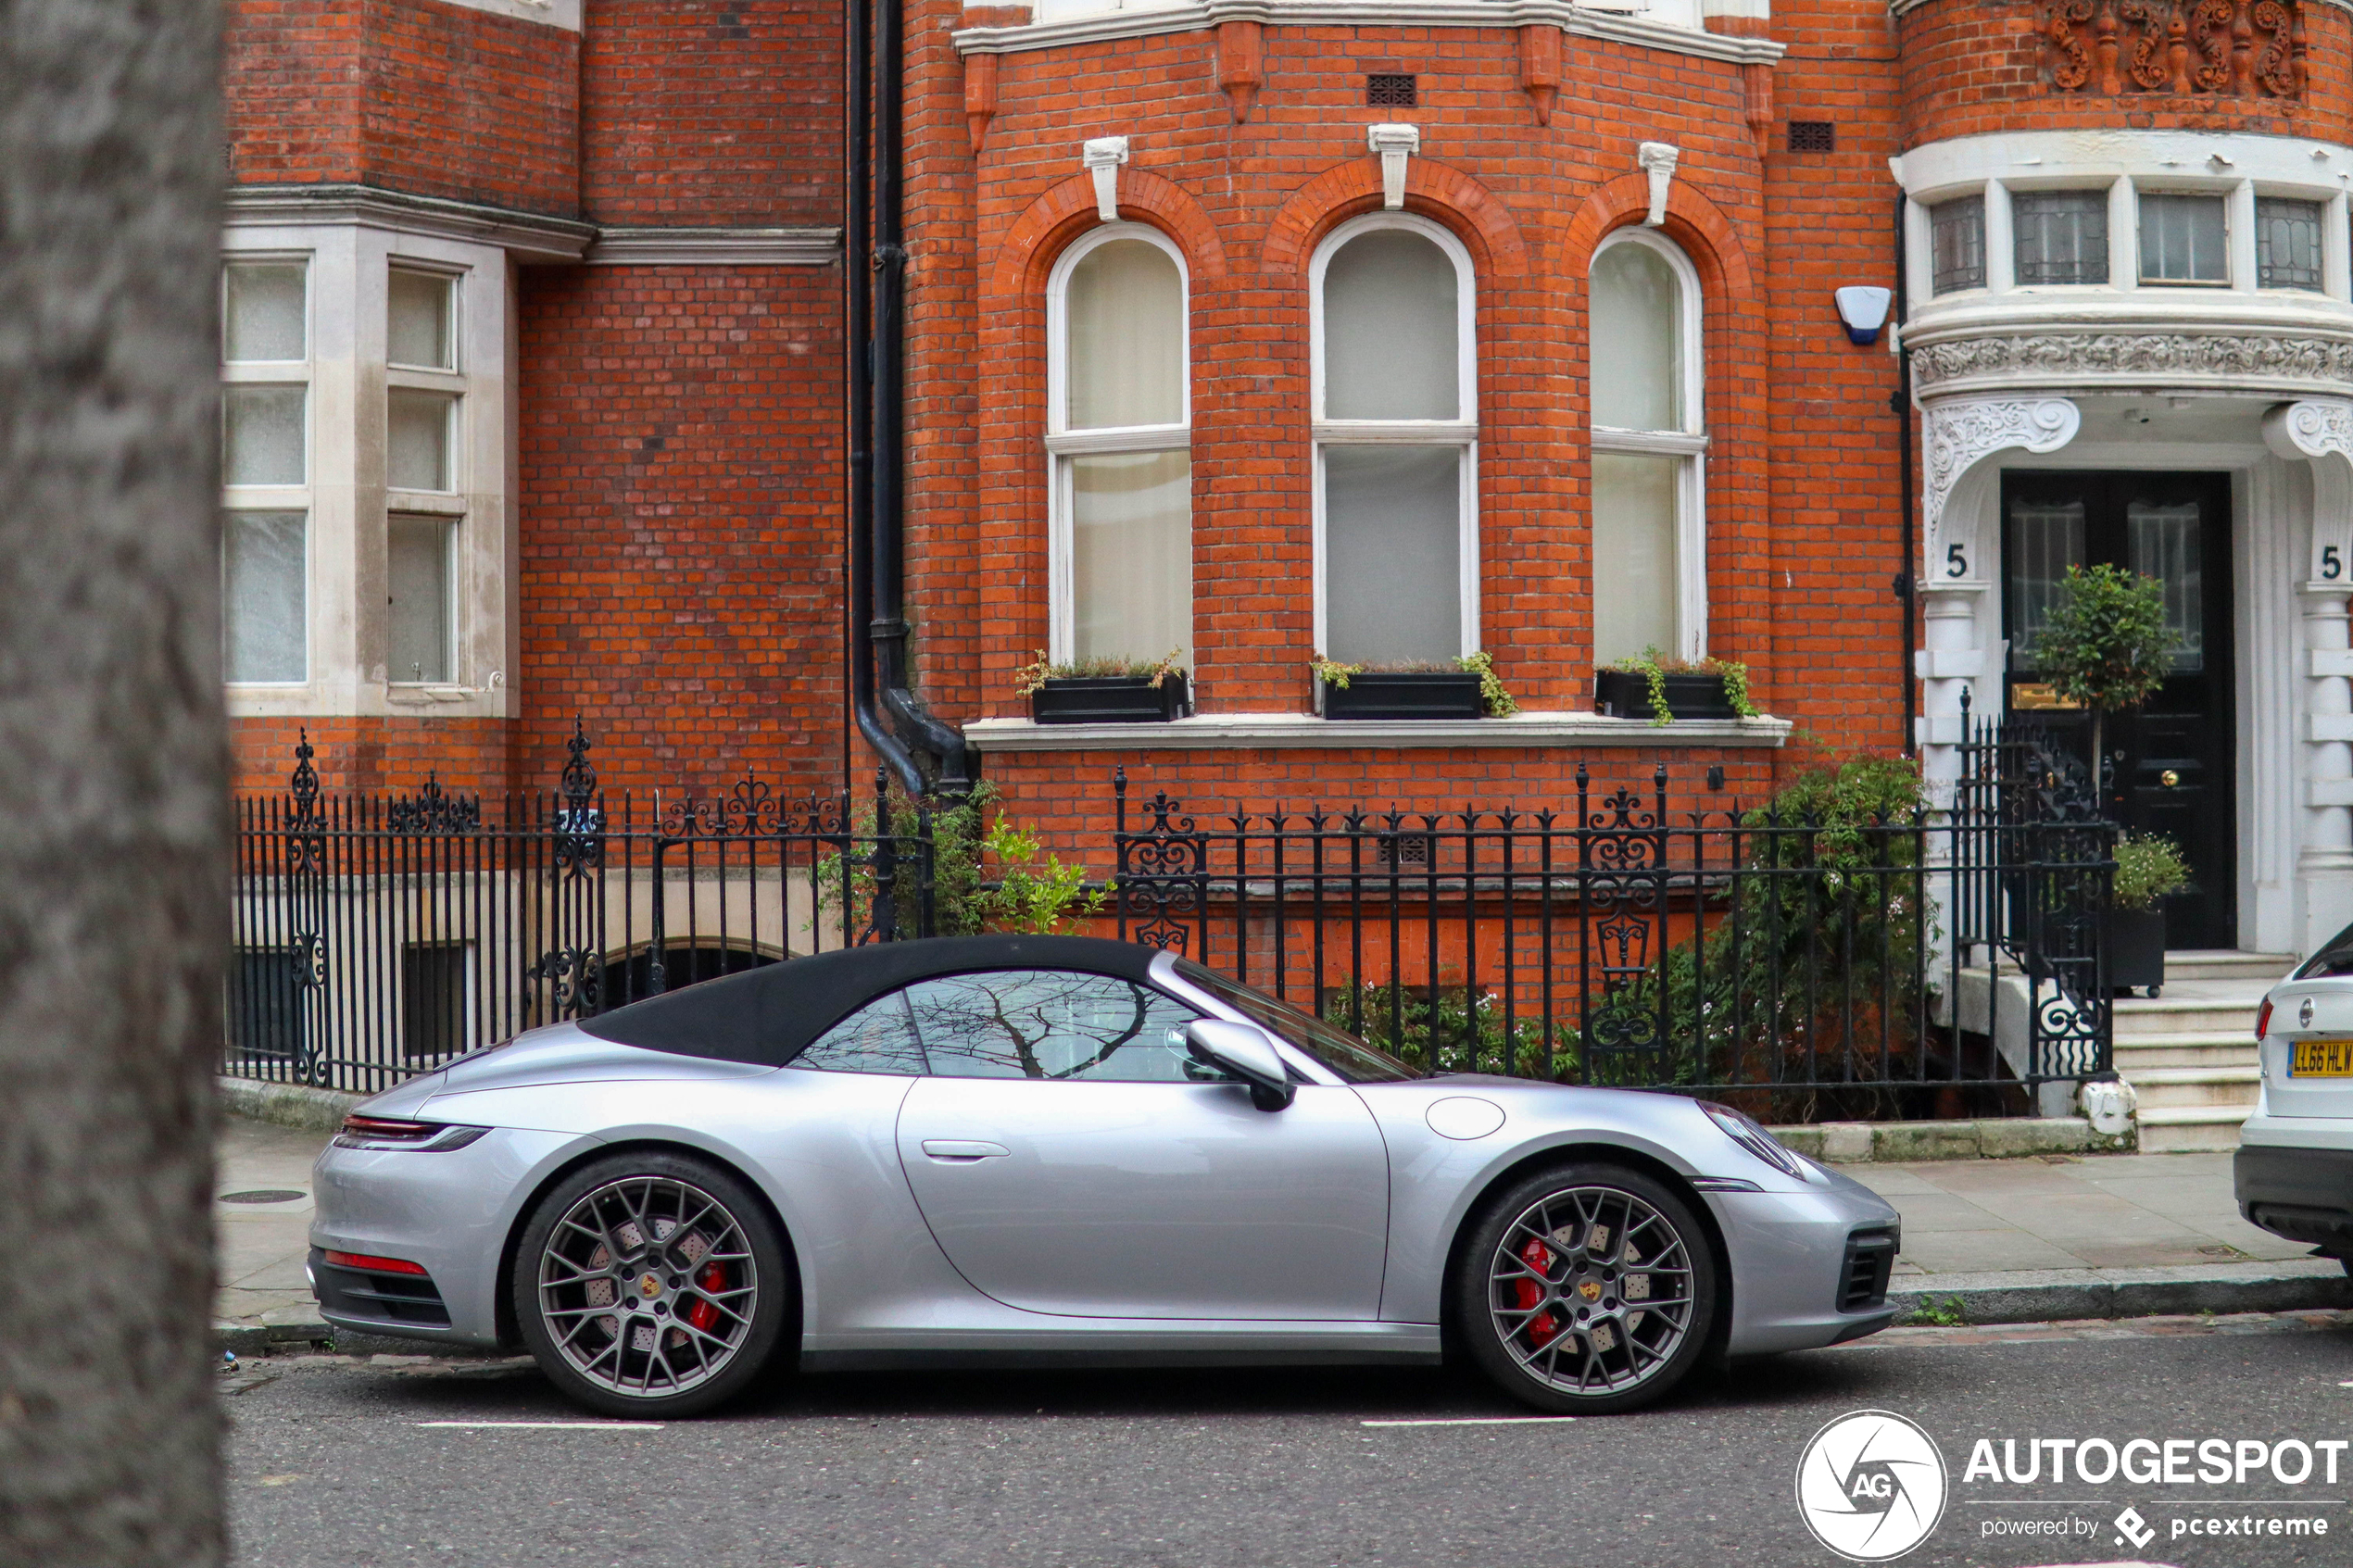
(650, 1285)
(1587, 1289)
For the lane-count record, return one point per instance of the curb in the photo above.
(1993, 1137)
(286, 1105)
(259, 1339)
(2059, 1295)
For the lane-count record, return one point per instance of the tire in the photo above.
(1545, 1301)
(681, 1241)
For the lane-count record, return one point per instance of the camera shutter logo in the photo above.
(1871, 1485)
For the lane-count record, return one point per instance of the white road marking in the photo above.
(1478, 1421)
(558, 1426)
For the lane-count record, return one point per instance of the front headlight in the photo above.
(1743, 1130)
(385, 1132)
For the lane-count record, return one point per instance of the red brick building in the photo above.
(1379, 330)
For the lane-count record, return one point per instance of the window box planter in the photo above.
(1110, 699)
(2135, 950)
(1625, 694)
(1438, 694)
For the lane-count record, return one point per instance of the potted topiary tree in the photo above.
(2104, 644)
(2148, 867)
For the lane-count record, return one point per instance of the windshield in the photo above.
(2334, 960)
(1350, 1058)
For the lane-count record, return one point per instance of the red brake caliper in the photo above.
(702, 1315)
(1544, 1326)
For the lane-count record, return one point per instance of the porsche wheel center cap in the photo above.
(649, 1287)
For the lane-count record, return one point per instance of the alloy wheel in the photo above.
(1591, 1291)
(647, 1286)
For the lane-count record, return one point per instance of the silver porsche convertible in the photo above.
(1052, 1150)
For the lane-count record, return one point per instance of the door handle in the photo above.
(963, 1151)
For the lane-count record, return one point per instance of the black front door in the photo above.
(2172, 757)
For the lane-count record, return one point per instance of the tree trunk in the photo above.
(114, 827)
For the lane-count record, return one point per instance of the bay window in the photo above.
(1649, 442)
(1118, 437)
(1396, 443)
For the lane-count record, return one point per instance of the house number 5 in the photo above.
(2332, 564)
(1955, 561)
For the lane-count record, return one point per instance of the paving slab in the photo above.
(259, 1246)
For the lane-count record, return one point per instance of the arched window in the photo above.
(1119, 436)
(1396, 441)
(1649, 435)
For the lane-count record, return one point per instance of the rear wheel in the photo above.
(1587, 1289)
(650, 1285)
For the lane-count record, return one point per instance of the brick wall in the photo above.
(681, 477)
(1974, 67)
(410, 96)
(712, 112)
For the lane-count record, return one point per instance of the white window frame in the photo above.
(280, 498)
(1689, 443)
(350, 260)
(1062, 443)
(1462, 431)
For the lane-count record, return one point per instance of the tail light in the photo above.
(2263, 1021)
(386, 1132)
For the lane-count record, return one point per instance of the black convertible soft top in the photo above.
(769, 1015)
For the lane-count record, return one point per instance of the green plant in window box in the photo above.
(1031, 678)
(1495, 697)
(1655, 667)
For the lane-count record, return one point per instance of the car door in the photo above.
(1071, 1157)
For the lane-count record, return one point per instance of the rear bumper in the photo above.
(2303, 1194)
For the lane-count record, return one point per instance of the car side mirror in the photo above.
(1244, 1052)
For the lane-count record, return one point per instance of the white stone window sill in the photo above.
(1226, 732)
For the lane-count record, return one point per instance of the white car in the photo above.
(2294, 1171)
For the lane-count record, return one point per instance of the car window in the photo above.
(2336, 958)
(878, 1037)
(1052, 1023)
(1351, 1058)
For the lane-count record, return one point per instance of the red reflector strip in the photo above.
(380, 1265)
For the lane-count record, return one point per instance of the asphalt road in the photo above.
(332, 1465)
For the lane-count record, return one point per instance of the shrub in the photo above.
(2148, 867)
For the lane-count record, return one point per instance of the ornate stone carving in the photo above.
(2060, 354)
(2227, 48)
(1959, 434)
(2310, 429)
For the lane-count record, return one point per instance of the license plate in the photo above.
(2322, 1058)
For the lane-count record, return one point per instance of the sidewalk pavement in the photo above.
(1986, 1241)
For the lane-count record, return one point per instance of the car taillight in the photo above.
(387, 1132)
(2263, 1020)
(383, 1129)
(374, 1264)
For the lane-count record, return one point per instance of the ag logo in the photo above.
(1871, 1485)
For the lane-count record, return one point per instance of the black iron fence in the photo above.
(377, 936)
(1805, 964)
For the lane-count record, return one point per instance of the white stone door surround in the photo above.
(2292, 541)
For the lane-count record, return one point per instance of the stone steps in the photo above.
(2190, 1053)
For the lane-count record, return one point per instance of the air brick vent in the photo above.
(1813, 136)
(1389, 92)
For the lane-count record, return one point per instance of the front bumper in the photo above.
(450, 1212)
(1809, 1268)
(2299, 1192)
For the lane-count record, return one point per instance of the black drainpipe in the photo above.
(890, 715)
(1901, 401)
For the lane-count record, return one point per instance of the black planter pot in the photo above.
(1436, 693)
(1110, 699)
(2135, 950)
(1627, 695)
